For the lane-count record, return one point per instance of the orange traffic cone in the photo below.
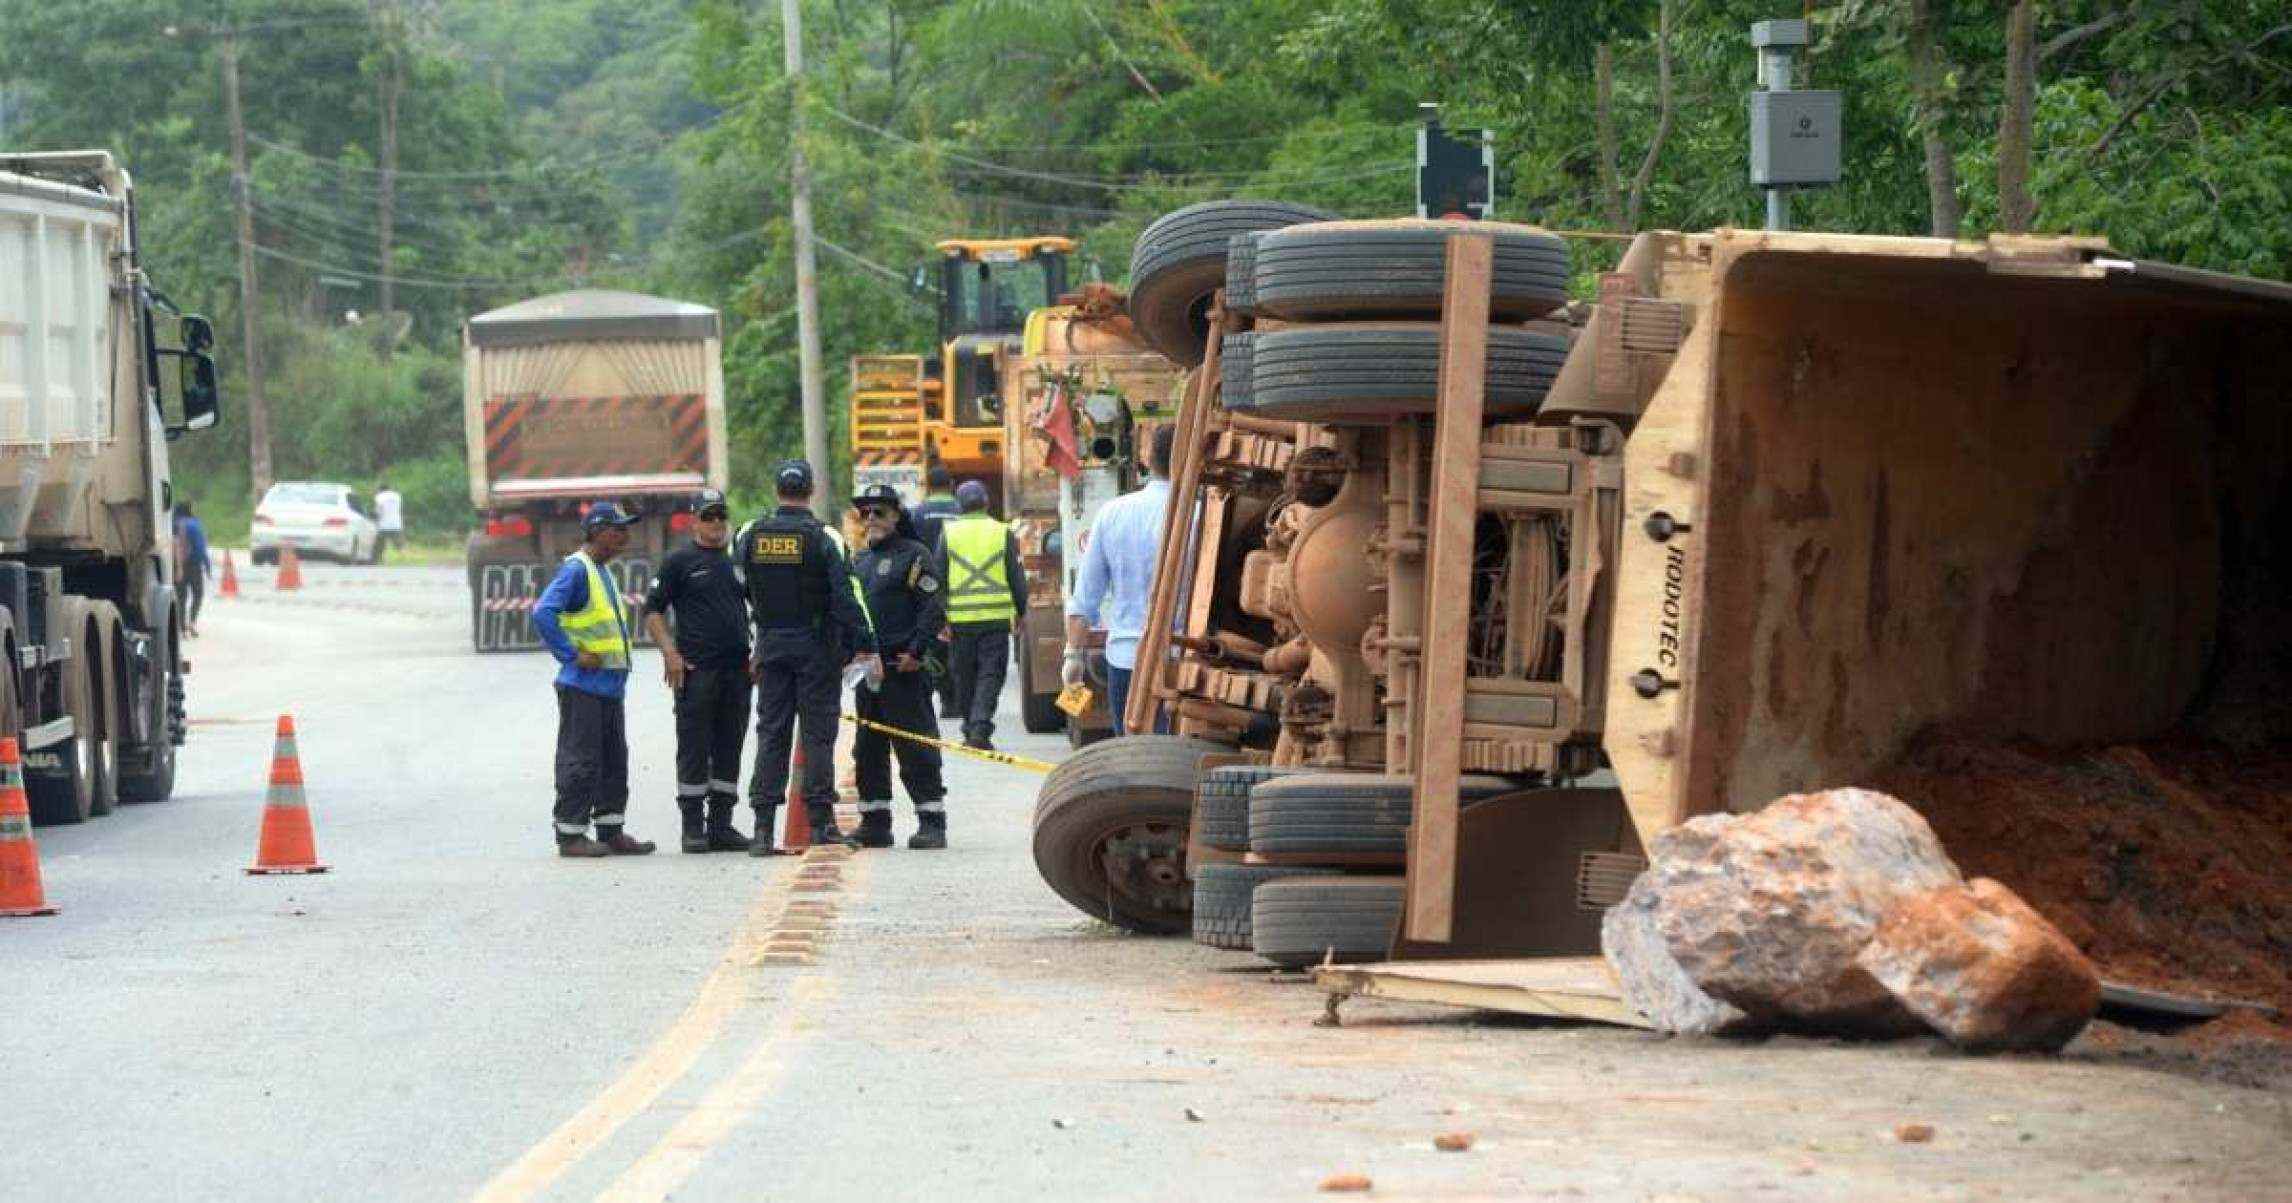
(290, 570)
(287, 844)
(20, 892)
(799, 828)
(230, 585)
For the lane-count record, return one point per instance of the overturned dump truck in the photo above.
(1485, 590)
(572, 398)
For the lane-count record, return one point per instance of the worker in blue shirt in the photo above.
(190, 564)
(585, 623)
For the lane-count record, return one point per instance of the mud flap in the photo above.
(502, 597)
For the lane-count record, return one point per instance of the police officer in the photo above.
(809, 625)
(986, 594)
(705, 663)
(901, 579)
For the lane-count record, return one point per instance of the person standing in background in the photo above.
(582, 619)
(986, 594)
(190, 565)
(1117, 578)
(389, 518)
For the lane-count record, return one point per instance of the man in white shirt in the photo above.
(1117, 578)
(390, 516)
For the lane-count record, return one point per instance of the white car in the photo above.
(316, 519)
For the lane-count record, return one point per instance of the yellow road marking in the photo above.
(670, 1056)
(1016, 762)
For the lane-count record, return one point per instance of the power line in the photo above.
(1123, 185)
(411, 281)
(510, 173)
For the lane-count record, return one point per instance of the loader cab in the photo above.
(987, 287)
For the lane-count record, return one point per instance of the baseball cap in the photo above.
(793, 476)
(711, 501)
(605, 513)
(971, 493)
(878, 495)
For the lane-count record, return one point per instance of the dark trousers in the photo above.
(711, 726)
(980, 658)
(902, 701)
(592, 762)
(798, 678)
(1117, 695)
(194, 595)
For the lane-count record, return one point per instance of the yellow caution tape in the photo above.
(1016, 762)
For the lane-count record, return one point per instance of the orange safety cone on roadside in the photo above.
(20, 892)
(799, 827)
(230, 585)
(290, 570)
(287, 843)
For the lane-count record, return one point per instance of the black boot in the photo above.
(721, 835)
(766, 820)
(824, 830)
(875, 828)
(694, 837)
(931, 830)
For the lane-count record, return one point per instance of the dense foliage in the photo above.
(646, 143)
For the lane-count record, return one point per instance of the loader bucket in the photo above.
(2019, 491)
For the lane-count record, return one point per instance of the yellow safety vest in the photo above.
(979, 591)
(602, 626)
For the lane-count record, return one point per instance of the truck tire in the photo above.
(1179, 262)
(60, 779)
(1299, 921)
(1376, 371)
(153, 779)
(1222, 899)
(1237, 365)
(1343, 812)
(1370, 269)
(1222, 801)
(1038, 712)
(1241, 275)
(1110, 831)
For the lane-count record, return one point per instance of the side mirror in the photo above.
(202, 400)
(920, 281)
(198, 333)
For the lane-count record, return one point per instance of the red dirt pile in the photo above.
(2169, 864)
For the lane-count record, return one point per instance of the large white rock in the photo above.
(1767, 912)
(1652, 981)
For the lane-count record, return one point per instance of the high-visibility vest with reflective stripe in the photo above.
(978, 589)
(602, 625)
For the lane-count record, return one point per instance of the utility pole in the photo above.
(810, 377)
(392, 84)
(258, 410)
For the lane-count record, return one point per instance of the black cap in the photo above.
(603, 514)
(793, 477)
(879, 495)
(711, 500)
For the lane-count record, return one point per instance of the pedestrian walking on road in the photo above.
(584, 623)
(986, 594)
(809, 626)
(1117, 577)
(389, 519)
(904, 592)
(705, 662)
(190, 564)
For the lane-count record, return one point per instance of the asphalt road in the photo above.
(454, 1011)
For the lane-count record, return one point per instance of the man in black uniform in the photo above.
(937, 507)
(901, 578)
(706, 666)
(809, 625)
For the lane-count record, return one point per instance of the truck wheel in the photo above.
(1222, 894)
(60, 779)
(1364, 269)
(153, 780)
(1179, 262)
(1241, 275)
(262, 559)
(1222, 801)
(1376, 371)
(1343, 812)
(1038, 712)
(1237, 368)
(1299, 921)
(1110, 831)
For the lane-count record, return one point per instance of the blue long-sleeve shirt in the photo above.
(568, 593)
(1117, 578)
